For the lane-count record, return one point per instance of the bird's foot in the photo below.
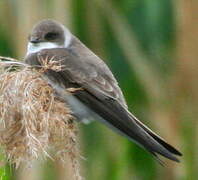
(73, 90)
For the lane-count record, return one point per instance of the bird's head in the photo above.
(48, 34)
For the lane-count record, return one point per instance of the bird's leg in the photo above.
(73, 90)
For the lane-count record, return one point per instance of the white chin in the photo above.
(34, 48)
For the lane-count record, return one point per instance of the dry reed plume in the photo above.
(33, 121)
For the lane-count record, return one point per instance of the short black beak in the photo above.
(35, 40)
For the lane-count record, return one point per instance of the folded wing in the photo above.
(101, 94)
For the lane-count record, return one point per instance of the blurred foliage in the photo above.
(151, 46)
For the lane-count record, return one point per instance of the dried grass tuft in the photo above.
(33, 122)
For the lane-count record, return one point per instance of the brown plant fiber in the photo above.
(33, 121)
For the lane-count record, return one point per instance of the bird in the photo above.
(94, 89)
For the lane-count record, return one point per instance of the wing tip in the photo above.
(166, 153)
(167, 146)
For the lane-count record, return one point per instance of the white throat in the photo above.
(36, 47)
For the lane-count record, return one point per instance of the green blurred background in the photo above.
(152, 48)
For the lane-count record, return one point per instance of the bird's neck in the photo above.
(34, 48)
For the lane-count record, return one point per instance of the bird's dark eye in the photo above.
(51, 36)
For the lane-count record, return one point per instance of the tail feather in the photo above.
(158, 159)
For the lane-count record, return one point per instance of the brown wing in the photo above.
(94, 74)
(86, 70)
